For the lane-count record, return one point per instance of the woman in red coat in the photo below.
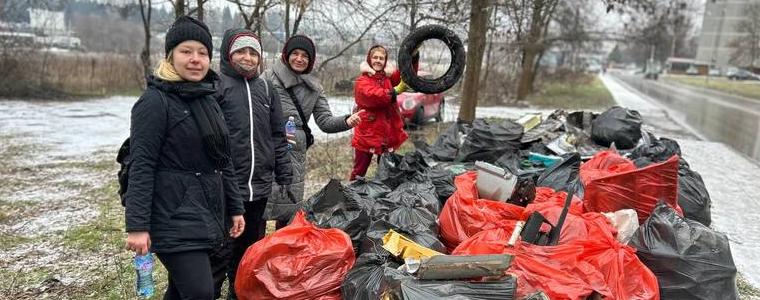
(381, 129)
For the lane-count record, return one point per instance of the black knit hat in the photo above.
(300, 42)
(187, 28)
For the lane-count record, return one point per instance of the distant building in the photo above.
(719, 30)
(47, 22)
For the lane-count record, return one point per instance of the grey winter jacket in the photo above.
(310, 95)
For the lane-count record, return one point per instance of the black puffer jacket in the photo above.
(252, 107)
(174, 191)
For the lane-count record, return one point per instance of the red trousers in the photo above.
(361, 163)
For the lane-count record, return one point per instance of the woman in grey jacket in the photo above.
(290, 76)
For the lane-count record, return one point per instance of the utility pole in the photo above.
(713, 60)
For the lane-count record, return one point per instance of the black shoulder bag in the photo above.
(305, 127)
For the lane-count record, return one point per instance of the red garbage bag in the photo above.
(573, 270)
(553, 270)
(464, 214)
(546, 196)
(299, 261)
(603, 164)
(550, 204)
(611, 185)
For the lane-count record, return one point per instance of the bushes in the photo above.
(48, 75)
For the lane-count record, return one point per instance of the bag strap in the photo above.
(305, 127)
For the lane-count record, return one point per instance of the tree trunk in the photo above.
(536, 64)
(200, 10)
(287, 19)
(412, 15)
(145, 54)
(179, 9)
(484, 82)
(479, 13)
(526, 76)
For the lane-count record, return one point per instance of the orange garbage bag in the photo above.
(299, 261)
(572, 270)
(612, 183)
(550, 204)
(464, 214)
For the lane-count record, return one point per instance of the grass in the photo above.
(746, 291)
(745, 88)
(577, 94)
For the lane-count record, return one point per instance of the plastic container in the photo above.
(144, 266)
(290, 129)
(546, 160)
(494, 183)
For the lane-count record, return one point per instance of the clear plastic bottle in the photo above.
(144, 267)
(290, 129)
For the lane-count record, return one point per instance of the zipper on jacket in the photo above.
(250, 131)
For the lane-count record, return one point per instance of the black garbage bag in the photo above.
(564, 175)
(690, 260)
(420, 233)
(369, 189)
(336, 207)
(364, 281)
(617, 125)
(487, 142)
(447, 144)
(395, 169)
(443, 180)
(693, 197)
(413, 289)
(658, 150)
(411, 194)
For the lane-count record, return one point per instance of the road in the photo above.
(730, 177)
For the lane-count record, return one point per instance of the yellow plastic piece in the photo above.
(529, 121)
(403, 247)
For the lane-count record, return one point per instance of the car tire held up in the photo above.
(414, 40)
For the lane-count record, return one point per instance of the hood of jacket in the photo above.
(225, 65)
(386, 67)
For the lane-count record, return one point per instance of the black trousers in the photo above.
(255, 228)
(192, 274)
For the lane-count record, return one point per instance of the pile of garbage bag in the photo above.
(568, 206)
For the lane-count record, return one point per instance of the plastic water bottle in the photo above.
(144, 268)
(290, 129)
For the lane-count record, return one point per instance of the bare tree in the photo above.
(200, 11)
(253, 18)
(747, 46)
(348, 40)
(533, 45)
(301, 7)
(145, 14)
(480, 11)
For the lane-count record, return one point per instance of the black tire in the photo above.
(439, 116)
(452, 75)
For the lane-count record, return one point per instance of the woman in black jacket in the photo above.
(253, 113)
(182, 200)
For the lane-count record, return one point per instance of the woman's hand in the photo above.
(354, 119)
(238, 225)
(139, 242)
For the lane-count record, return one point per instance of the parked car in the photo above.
(741, 74)
(714, 72)
(418, 108)
(692, 70)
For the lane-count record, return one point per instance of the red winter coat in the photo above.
(381, 128)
